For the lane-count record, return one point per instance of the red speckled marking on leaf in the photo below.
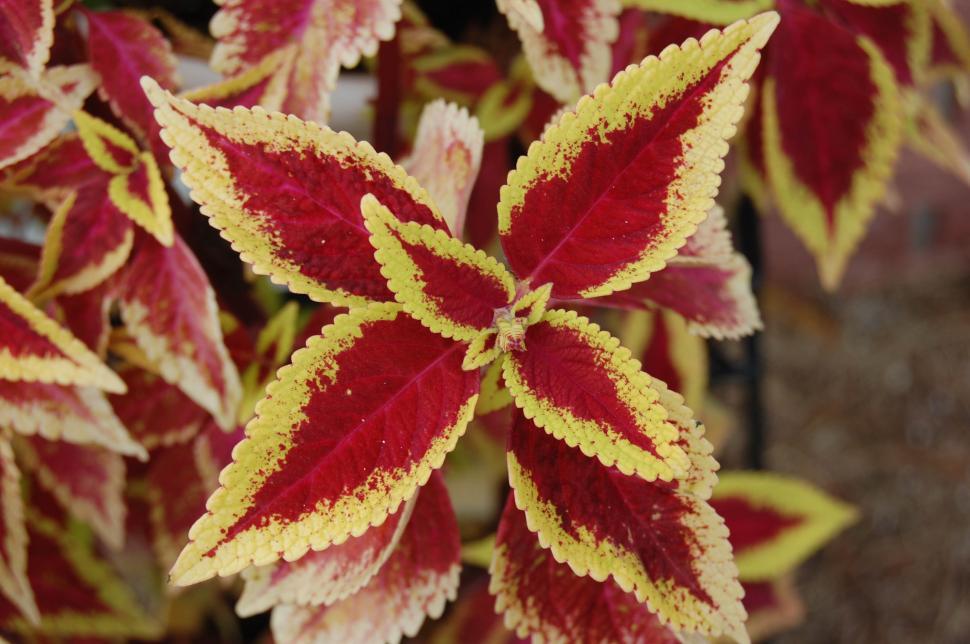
(888, 27)
(464, 293)
(576, 230)
(396, 370)
(639, 517)
(580, 609)
(560, 365)
(310, 206)
(751, 525)
(825, 96)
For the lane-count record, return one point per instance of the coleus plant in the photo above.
(609, 470)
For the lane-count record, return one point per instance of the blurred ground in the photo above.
(867, 394)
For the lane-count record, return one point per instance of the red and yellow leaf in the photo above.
(445, 158)
(156, 413)
(36, 349)
(668, 351)
(261, 85)
(949, 41)
(544, 599)
(26, 34)
(55, 172)
(87, 241)
(324, 577)
(123, 47)
(773, 607)
(832, 130)
(450, 287)
(286, 194)
(567, 42)
(29, 120)
(170, 309)
(616, 187)
(80, 595)
(776, 522)
(494, 394)
(79, 415)
(473, 619)
(708, 283)
(334, 450)
(319, 36)
(900, 28)
(136, 187)
(419, 578)
(714, 12)
(578, 384)
(87, 481)
(177, 490)
(670, 549)
(14, 584)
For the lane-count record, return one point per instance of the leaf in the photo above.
(450, 287)
(14, 584)
(580, 386)
(668, 352)
(715, 12)
(707, 282)
(123, 47)
(832, 130)
(287, 194)
(324, 577)
(156, 413)
(37, 349)
(27, 28)
(445, 159)
(567, 42)
(949, 41)
(494, 394)
(79, 594)
(79, 415)
(900, 29)
(320, 35)
(544, 599)
(18, 262)
(87, 241)
(935, 138)
(611, 192)
(28, 120)
(776, 522)
(334, 449)
(55, 172)
(473, 619)
(213, 451)
(170, 309)
(773, 608)
(671, 550)
(177, 490)
(87, 481)
(273, 348)
(417, 581)
(261, 84)
(88, 316)
(136, 187)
